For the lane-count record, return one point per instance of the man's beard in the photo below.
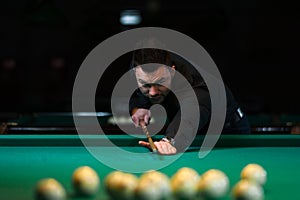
(157, 100)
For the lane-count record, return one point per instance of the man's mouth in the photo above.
(156, 99)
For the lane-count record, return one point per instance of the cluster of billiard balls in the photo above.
(250, 186)
(186, 183)
(85, 181)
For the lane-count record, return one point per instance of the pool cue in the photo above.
(145, 130)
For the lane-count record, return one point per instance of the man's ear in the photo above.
(132, 72)
(173, 71)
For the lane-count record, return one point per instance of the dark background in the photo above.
(255, 45)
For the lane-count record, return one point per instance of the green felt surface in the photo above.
(21, 166)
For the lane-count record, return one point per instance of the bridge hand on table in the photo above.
(164, 148)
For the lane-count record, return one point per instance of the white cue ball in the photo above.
(255, 173)
(214, 184)
(153, 185)
(49, 189)
(184, 183)
(120, 185)
(247, 190)
(85, 181)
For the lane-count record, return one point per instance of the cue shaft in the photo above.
(144, 127)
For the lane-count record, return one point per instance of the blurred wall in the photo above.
(255, 44)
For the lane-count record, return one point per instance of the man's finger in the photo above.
(145, 144)
(146, 119)
(135, 120)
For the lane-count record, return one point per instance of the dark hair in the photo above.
(150, 55)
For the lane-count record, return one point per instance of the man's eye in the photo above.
(143, 83)
(146, 85)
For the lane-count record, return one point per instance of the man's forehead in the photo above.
(148, 68)
(152, 77)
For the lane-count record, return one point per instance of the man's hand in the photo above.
(141, 114)
(164, 148)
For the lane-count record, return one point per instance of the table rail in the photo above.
(126, 140)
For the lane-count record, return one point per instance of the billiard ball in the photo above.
(153, 185)
(120, 185)
(184, 183)
(247, 190)
(85, 181)
(49, 189)
(213, 184)
(254, 172)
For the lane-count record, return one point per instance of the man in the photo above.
(155, 83)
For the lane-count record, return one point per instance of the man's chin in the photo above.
(156, 100)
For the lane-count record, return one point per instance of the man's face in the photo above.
(155, 85)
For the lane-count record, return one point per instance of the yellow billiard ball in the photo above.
(85, 181)
(254, 172)
(184, 183)
(214, 184)
(49, 189)
(153, 185)
(120, 185)
(247, 190)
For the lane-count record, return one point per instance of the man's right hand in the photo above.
(141, 114)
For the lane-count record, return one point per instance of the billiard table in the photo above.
(25, 159)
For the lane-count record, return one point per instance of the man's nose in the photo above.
(153, 90)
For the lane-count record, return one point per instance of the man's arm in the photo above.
(177, 140)
(184, 136)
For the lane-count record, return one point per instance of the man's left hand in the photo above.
(164, 148)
